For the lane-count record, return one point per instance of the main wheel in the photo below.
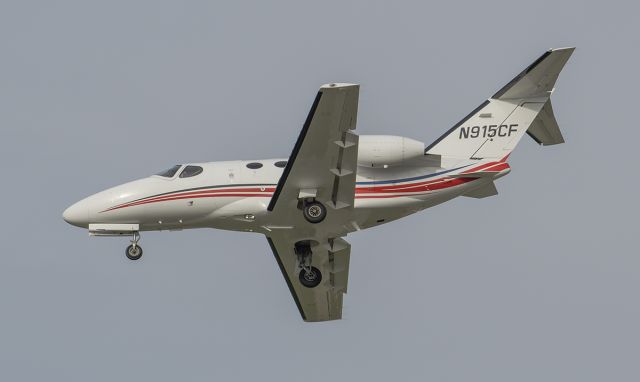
(310, 279)
(314, 212)
(133, 252)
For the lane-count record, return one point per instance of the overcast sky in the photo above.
(539, 283)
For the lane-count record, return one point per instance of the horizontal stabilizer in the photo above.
(487, 190)
(544, 129)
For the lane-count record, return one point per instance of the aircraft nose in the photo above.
(77, 215)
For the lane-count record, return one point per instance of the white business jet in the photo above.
(333, 183)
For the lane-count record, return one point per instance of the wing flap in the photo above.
(324, 302)
(343, 191)
(339, 257)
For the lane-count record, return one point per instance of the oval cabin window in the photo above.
(281, 164)
(254, 165)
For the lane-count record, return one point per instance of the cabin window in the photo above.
(170, 172)
(281, 164)
(254, 165)
(190, 171)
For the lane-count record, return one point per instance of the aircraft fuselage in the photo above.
(232, 196)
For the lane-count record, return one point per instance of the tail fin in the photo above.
(494, 128)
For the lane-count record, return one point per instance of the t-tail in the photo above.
(493, 129)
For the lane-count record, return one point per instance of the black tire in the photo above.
(314, 212)
(133, 254)
(310, 279)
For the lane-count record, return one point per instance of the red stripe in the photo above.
(184, 197)
(215, 191)
(205, 191)
(194, 193)
(498, 167)
(401, 187)
(387, 196)
(443, 185)
(409, 190)
(486, 165)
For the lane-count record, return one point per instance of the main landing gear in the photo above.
(314, 212)
(309, 276)
(134, 251)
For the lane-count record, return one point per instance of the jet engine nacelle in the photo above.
(387, 150)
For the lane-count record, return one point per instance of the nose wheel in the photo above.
(134, 251)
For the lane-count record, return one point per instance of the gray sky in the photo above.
(537, 284)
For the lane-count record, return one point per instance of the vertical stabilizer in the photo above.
(522, 106)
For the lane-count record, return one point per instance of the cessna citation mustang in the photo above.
(333, 183)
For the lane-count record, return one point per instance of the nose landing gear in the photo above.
(134, 251)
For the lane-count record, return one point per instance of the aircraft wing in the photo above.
(321, 168)
(323, 162)
(324, 302)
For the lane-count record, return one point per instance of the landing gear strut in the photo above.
(134, 251)
(309, 276)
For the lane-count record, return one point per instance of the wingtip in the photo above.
(568, 48)
(337, 85)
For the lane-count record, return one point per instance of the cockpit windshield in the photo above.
(170, 172)
(190, 171)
